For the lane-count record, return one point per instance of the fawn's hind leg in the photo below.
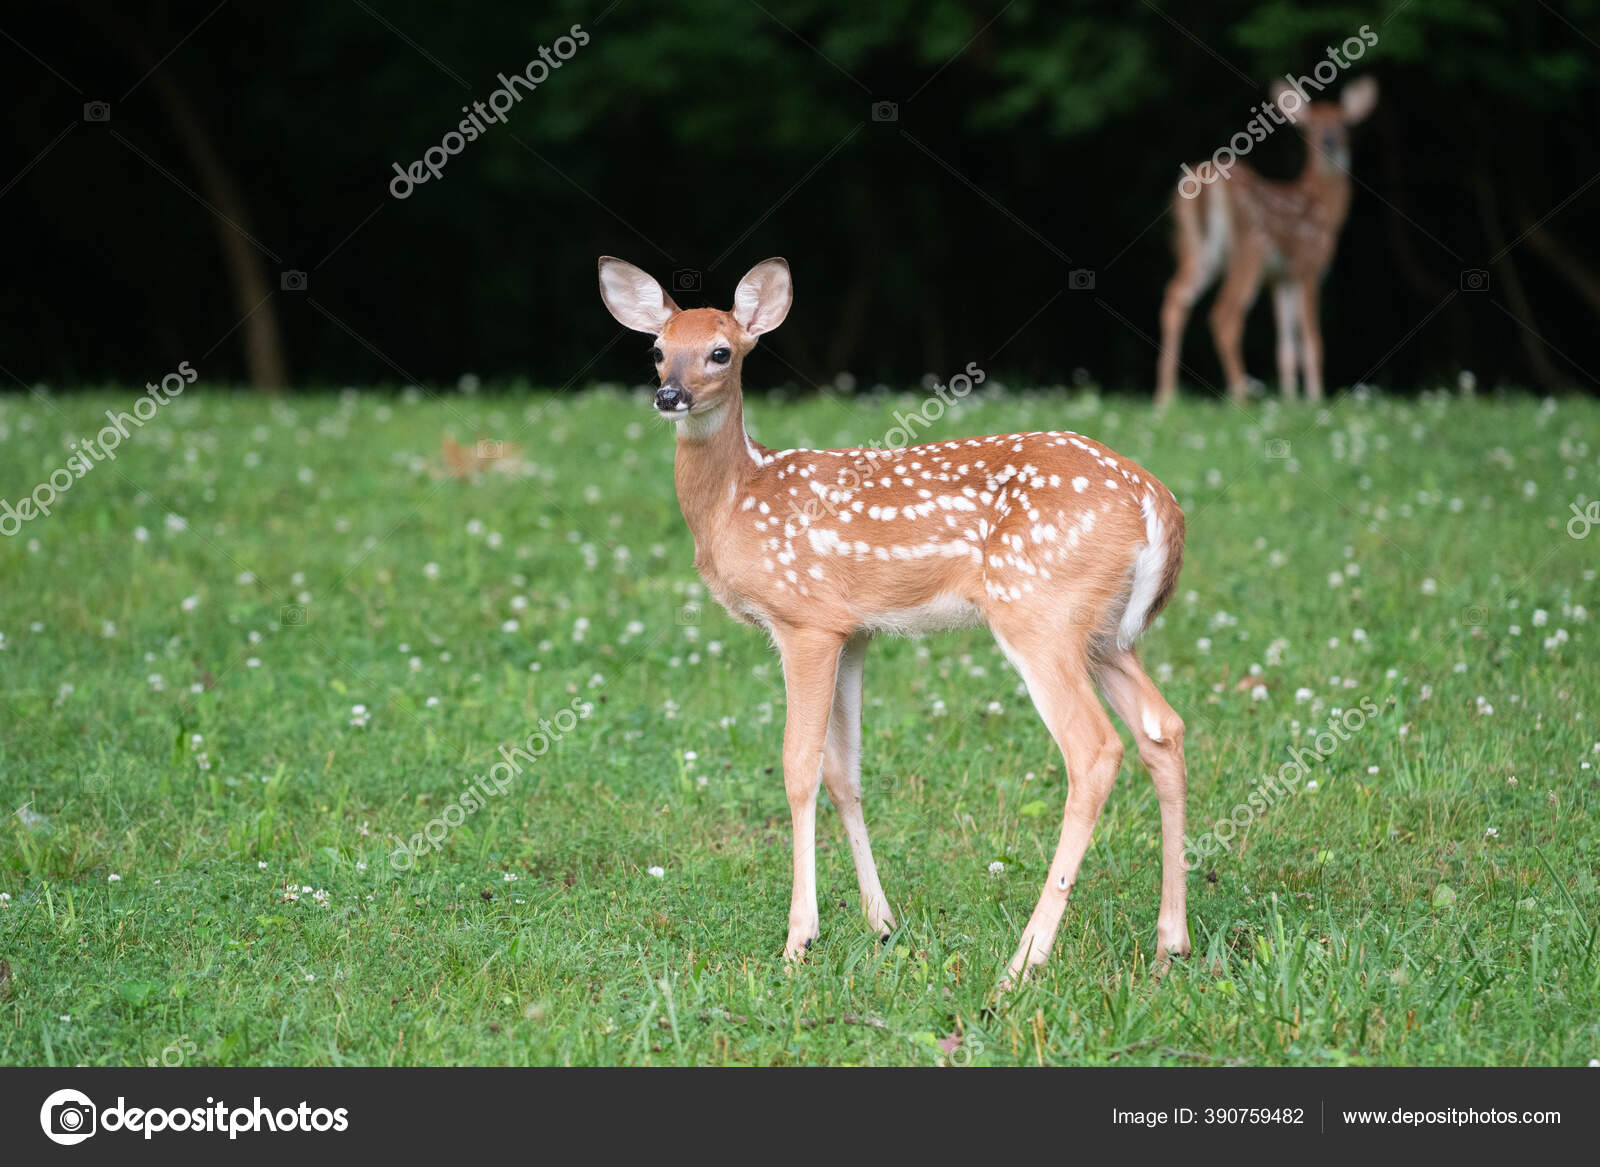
(1159, 733)
(1066, 701)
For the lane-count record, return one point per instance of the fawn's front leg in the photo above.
(841, 773)
(810, 666)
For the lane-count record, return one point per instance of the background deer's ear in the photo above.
(762, 299)
(1358, 99)
(633, 297)
(1295, 109)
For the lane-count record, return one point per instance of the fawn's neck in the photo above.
(714, 460)
(1324, 179)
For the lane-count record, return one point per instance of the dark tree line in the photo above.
(188, 182)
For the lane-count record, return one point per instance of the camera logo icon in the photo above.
(1278, 449)
(97, 111)
(292, 280)
(292, 616)
(1080, 279)
(1474, 279)
(885, 111)
(686, 279)
(490, 449)
(68, 1117)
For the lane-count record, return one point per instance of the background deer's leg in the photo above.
(1237, 293)
(1158, 730)
(1197, 266)
(1286, 314)
(810, 665)
(841, 770)
(1311, 336)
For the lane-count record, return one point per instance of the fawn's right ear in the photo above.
(636, 300)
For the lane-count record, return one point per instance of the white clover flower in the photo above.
(997, 868)
(656, 872)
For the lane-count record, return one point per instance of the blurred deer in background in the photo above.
(1253, 228)
(1063, 548)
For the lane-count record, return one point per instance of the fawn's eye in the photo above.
(655, 355)
(720, 356)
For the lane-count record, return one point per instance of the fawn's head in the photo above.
(1326, 124)
(698, 354)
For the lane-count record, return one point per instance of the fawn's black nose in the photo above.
(671, 399)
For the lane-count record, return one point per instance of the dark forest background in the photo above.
(243, 140)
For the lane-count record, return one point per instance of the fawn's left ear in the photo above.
(636, 300)
(1297, 115)
(762, 298)
(1359, 99)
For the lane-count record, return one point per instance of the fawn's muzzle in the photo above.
(671, 399)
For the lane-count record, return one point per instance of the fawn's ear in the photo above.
(636, 300)
(762, 299)
(1295, 115)
(1358, 99)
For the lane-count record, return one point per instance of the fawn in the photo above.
(1255, 227)
(1063, 548)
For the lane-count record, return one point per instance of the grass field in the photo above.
(244, 661)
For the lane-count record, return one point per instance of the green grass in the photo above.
(1433, 900)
